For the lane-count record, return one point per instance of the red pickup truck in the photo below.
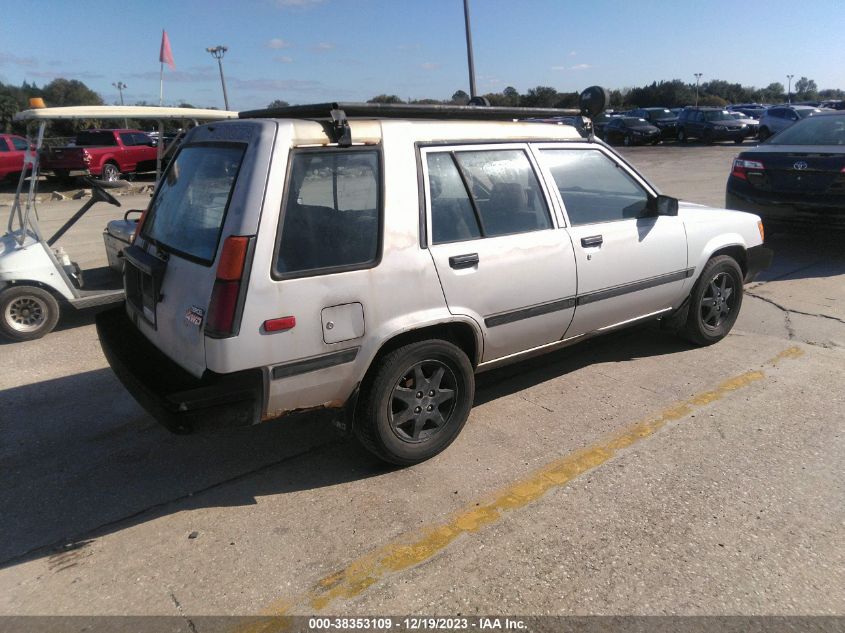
(12, 149)
(104, 154)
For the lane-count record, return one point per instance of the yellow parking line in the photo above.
(414, 548)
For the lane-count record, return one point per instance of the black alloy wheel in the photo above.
(715, 301)
(415, 401)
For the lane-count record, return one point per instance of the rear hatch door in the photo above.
(171, 270)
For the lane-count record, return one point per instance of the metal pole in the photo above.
(697, 78)
(223, 81)
(470, 62)
(789, 89)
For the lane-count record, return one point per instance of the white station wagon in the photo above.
(373, 259)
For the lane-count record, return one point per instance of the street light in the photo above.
(217, 53)
(120, 87)
(789, 89)
(697, 79)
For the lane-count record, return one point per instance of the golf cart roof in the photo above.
(124, 112)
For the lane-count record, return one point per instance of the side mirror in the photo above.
(664, 205)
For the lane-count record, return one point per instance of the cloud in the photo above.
(277, 43)
(572, 53)
(277, 85)
(558, 67)
(64, 74)
(283, 59)
(26, 62)
(190, 75)
(324, 46)
(581, 66)
(429, 66)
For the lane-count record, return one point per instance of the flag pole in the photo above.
(161, 85)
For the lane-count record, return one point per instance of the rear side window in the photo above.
(593, 187)
(186, 216)
(331, 219)
(484, 193)
(19, 143)
(96, 139)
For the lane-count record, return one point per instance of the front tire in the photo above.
(715, 301)
(27, 313)
(682, 136)
(628, 141)
(417, 402)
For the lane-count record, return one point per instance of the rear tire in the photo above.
(682, 136)
(739, 140)
(715, 301)
(416, 403)
(27, 313)
(627, 141)
(110, 173)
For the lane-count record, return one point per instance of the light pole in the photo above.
(470, 61)
(789, 89)
(120, 87)
(697, 79)
(217, 53)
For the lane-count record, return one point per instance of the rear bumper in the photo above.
(788, 208)
(177, 400)
(758, 259)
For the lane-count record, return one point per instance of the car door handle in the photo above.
(592, 240)
(463, 261)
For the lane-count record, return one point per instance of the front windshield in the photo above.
(634, 122)
(723, 115)
(821, 130)
(661, 115)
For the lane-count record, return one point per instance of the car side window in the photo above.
(485, 193)
(593, 187)
(127, 138)
(20, 144)
(331, 215)
(3, 146)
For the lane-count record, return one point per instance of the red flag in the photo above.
(165, 56)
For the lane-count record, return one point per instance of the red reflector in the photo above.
(221, 309)
(277, 325)
(231, 264)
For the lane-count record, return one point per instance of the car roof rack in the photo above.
(336, 114)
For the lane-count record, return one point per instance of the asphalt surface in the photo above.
(633, 474)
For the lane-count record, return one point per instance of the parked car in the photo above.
(796, 176)
(662, 118)
(600, 121)
(371, 266)
(631, 131)
(753, 124)
(753, 110)
(709, 125)
(104, 154)
(833, 104)
(778, 118)
(12, 150)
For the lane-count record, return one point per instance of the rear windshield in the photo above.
(187, 213)
(95, 139)
(817, 130)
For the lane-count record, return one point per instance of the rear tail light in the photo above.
(140, 224)
(762, 232)
(227, 288)
(741, 167)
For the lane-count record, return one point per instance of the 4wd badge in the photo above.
(194, 315)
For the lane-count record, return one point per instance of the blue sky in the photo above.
(318, 50)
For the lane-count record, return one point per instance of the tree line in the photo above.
(670, 94)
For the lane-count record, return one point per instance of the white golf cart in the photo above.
(37, 281)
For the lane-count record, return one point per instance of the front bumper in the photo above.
(758, 259)
(177, 400)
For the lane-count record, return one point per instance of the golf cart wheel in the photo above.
(111, 172)
(27, 313)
